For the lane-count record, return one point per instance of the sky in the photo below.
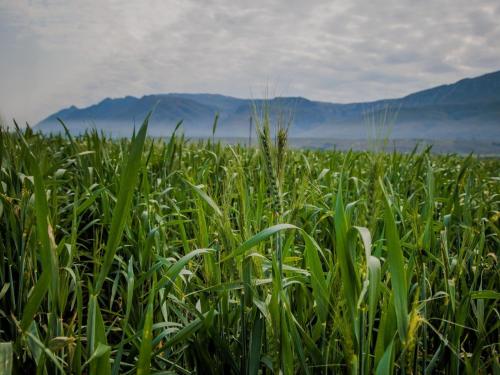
(57, 53)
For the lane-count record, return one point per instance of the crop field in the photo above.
(121, 256)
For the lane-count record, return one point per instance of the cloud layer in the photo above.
(56, 53)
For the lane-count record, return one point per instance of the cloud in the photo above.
(56, 53)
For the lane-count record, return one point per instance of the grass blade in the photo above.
(144, 362)
(397, 268)
(6, 355)
(130, 172)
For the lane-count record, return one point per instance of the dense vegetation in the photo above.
(124, 256)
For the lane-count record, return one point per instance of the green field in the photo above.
(167, 256)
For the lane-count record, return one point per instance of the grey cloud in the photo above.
(60, 53)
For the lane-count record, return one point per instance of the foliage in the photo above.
(166, 256)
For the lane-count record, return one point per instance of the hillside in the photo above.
(469, 108)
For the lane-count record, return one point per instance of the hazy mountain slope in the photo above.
(467, 108)
(485, 88)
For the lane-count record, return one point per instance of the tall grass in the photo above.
(142, 256)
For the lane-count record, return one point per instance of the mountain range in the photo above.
(467, 109)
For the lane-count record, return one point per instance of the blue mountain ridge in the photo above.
(465, 109)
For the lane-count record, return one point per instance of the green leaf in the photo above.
(374, 272)
(101, 350)
(144, 363)
(185, 332)
(128, 309)
(206, 198)
(485, 294)
(177, 267)
(6, 356)
(35, 299)
(385, 366)
(318, 281)
(50, 268)
(55, 360)
(259, 237)
(345, 248)
(397, 267)
(96, 336)
(255, 345)
(128, 182)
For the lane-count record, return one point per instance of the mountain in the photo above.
(467, 109)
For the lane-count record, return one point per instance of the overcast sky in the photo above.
(55, 53)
